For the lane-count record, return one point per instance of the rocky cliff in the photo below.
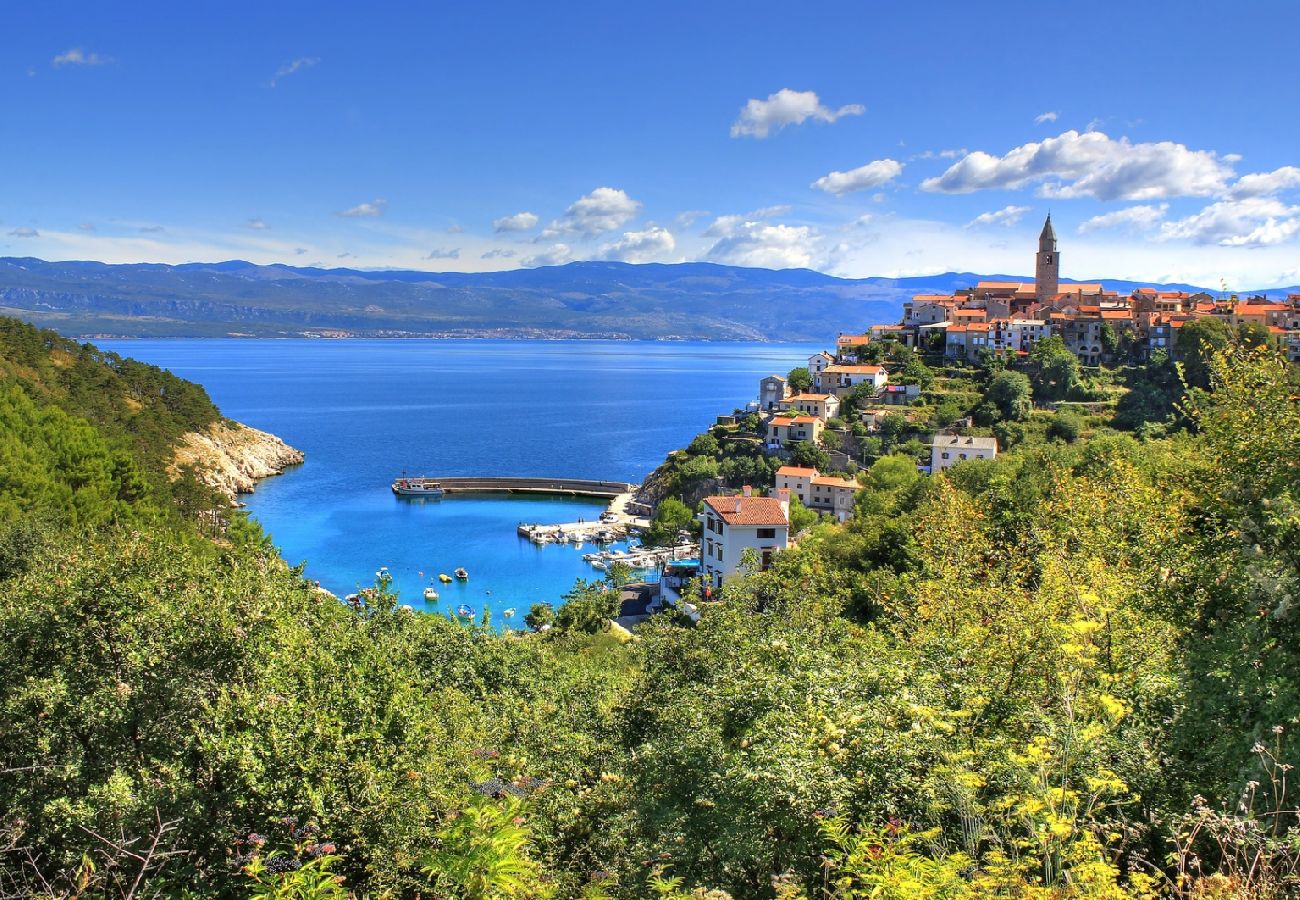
(232, 457)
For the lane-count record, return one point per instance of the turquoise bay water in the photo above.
(365, 411)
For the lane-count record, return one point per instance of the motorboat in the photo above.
(430, 594)
(417, 487)
(461, 574)
(465, 612)
(444, 578)
(508, 613)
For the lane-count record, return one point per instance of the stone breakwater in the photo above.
(232, 458)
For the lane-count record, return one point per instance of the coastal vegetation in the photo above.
(1070, 672)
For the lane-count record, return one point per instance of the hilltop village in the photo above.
(959, 378)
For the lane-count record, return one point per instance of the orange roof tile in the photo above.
(855, 370)
(798, 471)
(741, 510)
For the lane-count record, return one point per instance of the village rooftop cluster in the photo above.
(993, 318)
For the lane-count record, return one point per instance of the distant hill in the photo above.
(696, 301)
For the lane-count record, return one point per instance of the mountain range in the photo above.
(684, 301)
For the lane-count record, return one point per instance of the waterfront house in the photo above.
(732, 525)
(946, 450)
(823, 406)
(846, 346)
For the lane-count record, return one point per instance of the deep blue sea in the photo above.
(363, 412)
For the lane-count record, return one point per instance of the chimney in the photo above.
(737, 504)
(749, 491)
(784, 496)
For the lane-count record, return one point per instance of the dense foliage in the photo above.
(1069, 672)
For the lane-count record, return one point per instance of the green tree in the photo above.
(1066, 425)
(1198, 341)
(806, 453)
(1008, 393)
(704, 444)
(671, 517)
(799, 380)
(1054, 369)
(539, 615)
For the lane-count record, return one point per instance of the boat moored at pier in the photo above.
(417, 487)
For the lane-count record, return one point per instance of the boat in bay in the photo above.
(417, 487)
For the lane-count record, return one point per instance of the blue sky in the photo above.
(854, 138)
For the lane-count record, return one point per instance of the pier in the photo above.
(562, 487)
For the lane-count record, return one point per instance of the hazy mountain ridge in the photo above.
(584, 299)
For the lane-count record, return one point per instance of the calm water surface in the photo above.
(365, 411)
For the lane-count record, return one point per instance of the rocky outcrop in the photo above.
(666, 481)
(232, 457)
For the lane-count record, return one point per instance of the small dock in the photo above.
(558, 487)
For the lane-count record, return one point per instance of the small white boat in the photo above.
(430, 594)
(462, 574)
(508, 613)
(417, 487)
(465, 612)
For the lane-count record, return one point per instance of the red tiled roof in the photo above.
(818, 397)
(741, 510)
(855, 370)
(797, 471)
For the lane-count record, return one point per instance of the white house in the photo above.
(946, 450)
(818, 361)
(735, 524)
(797, 480)
(823, 406)
(840, 380)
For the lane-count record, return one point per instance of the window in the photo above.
(945, 454)
(719, 548)
(766, 533)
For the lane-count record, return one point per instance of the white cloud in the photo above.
(1133, 218)
(454, 229)
(1265, 184)
(1090, 165)
(1251, 222)
(555, 255)
(299, 251)
(152, 229)
(87, 226)
(1006, 216)
(759, 118)
(365, 210)
(292, 68)
(872, 175)
(257, 224)
(499, 253)
(520, 221)
(746, 242)
(76, 56)
(601, 211)
(1048, 116)
(443, 254)
(25, 233)
(650, 245)
(690, 217)
(767, 212)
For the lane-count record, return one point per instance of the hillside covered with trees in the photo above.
(1070, 672)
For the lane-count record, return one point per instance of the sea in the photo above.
(367, 411)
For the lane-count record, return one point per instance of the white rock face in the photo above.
(232, 457)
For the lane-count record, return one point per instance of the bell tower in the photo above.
(1047, 271)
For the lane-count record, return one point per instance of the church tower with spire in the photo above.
(1047, 271)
